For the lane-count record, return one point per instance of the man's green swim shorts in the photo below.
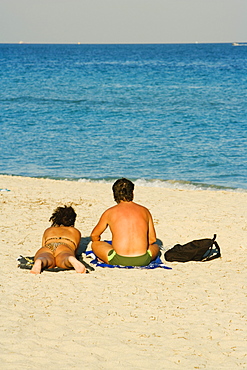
(116, 259)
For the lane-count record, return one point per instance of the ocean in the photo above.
(171, 115)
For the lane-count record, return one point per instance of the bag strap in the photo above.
(214, 242)
(217, 245)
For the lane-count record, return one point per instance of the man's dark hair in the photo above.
(123, 190)
(63, 216)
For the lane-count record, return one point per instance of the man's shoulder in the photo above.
(109, 210)
(141, 206)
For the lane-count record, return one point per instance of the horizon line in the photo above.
(119, 43)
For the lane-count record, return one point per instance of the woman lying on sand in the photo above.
(59, 243)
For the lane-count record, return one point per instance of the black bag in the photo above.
(197, 250)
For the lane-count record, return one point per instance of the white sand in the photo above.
(190, 317)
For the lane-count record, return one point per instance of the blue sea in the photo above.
(172, 115)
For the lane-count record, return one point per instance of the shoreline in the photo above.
(154, 183)
(189, 317)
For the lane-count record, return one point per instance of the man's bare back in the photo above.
(132, 229)
(131, 226)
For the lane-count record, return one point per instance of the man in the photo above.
(132, 228)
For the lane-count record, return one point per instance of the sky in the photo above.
(123, 21)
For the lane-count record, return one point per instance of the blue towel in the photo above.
(153, 264)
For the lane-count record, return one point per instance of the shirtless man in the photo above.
(132, 228)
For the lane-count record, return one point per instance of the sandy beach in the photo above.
(190, 317)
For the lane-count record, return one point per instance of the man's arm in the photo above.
(99, 228)
(151, 230)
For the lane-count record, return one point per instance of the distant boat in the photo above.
(239, 44)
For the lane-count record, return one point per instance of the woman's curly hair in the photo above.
(123, 190)
(63, 216)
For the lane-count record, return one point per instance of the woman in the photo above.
(59, 243)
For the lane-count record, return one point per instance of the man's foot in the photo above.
(36, 269)
(78, 266)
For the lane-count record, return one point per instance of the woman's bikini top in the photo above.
(60, 237)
